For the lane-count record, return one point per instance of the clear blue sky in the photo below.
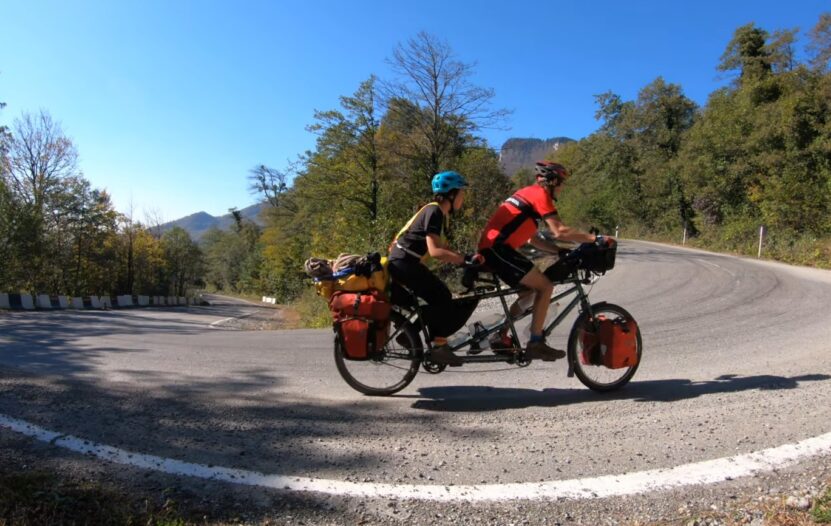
(171, 102)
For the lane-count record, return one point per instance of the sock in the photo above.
(536, 338)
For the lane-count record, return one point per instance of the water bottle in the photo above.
(479, 329)
(456, 339)
(492, 320)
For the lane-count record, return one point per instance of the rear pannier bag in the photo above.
(361, 321)
(615, 345)
(361, 339)
(370, 304)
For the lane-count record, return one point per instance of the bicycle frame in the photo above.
(494, 289)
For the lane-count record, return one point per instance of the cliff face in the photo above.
(523, 153)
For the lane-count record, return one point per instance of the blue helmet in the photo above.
(446, 181)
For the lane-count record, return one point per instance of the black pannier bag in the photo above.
(561, 270)
(597, 258)
(587, 256)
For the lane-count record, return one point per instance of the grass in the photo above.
(312, 310)
(774, 512)
(31, 498)
(805, 250)
(821, 510)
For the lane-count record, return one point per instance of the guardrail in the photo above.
(25, 301)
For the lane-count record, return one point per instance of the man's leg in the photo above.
(542, 288)
(515, 269)
(536, 347)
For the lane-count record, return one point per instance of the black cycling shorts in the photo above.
(507, 263)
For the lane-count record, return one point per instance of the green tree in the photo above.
(347, 148)
(747, 53)
(40, 160)
(183, 260)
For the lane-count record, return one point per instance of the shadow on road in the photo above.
(476, 398)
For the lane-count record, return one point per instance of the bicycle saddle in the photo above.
(470, 276)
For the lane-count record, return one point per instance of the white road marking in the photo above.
(705, 472)
(715, 265)
(217, 323)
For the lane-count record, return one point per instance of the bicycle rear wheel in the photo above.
(390, 370)
(599, 377)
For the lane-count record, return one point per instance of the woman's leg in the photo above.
(428, 287)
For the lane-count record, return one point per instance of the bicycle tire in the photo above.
(406, 351)
(587, 373)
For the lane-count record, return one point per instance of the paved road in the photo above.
(737, 359)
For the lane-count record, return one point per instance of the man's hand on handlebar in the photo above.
(473, 260)
(601, 240)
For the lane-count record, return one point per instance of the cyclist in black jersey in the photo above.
(423, 237)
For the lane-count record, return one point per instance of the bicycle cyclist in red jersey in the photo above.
(514, 224)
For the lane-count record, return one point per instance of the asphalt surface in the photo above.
(736, 359)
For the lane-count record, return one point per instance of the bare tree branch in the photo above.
(438, 87)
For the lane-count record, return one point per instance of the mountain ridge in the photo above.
(198, 223)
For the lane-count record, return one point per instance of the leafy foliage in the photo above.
(60, 235)
(371, 170)
(758, 153)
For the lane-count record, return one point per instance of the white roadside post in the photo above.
(4, 301)
(124, 300)
(44, 302)
(27, 302)
(761, 239)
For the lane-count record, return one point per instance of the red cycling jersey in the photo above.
(515, 221)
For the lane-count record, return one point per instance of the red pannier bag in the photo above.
(361, 320)
(371, 304)
(615, 346)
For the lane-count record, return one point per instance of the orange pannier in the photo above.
(361, 320)
(370, 304)
(614, 346)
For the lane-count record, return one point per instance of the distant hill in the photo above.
(197, 224)
(521, 153)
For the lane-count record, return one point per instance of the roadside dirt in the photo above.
(266, 318)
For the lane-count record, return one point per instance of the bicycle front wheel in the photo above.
(390, 370)
(592, 372)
